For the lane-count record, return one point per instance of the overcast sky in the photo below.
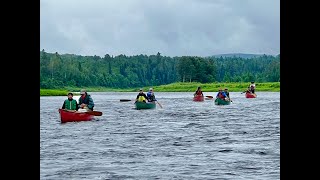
(171, 27)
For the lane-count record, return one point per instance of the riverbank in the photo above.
(174, 87)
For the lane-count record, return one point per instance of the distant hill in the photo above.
(242, 55)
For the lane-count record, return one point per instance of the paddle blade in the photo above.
(209, 96)
(125, 100)
(95, 113)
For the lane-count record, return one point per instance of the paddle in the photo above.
(159, 104)
(209, 96)
(125, 100)
(244, 91)
(95, 113)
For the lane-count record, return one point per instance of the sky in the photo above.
(171, 27)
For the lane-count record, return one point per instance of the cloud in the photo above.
(171, 27)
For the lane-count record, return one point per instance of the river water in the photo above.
(181, 140)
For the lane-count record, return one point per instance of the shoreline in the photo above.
(174, 87)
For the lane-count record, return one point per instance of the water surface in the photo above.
(182, 140)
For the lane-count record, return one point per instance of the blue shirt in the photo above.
(223, 93)
(151, 96)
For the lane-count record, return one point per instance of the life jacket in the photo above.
(141, 98)
(221, 96)
(198, 93)
(70, 105)
(150, 96)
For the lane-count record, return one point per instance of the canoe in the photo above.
(219, 101)
(72, 116)
(198, 98)
(251, 95)
(143, 105)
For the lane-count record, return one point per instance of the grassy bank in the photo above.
(174, 87)
(53, 92)
(76, 91)
(214, 87)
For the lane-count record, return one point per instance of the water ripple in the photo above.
(182, 140)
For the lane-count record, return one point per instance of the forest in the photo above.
(69, 70)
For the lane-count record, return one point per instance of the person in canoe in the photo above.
(150, 96)
(85, 100)
(252, 87)
(221, 94)
(226, 91)
(70, 103)
(198, 92)
(141, 97)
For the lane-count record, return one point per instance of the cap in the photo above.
(150, 89)
(140, 89)
(83, 91)
(226, 89)
(70, 93)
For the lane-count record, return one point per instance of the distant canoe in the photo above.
(71, 116)
(143, 105)
(198, 98)
(219, 101)
(250, 95)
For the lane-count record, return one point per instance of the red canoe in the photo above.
(251, 95)
(198, 98)
(70, 116)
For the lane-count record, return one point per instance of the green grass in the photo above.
(214, 87)
(174, 87)
(76, 91)
(53, 92)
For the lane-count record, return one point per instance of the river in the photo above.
(182, 140)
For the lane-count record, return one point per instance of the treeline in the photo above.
(123, 71)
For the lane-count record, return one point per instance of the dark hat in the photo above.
(70, 93)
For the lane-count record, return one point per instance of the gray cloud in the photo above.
(171, 27)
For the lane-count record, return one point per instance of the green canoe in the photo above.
(142, 105)
(219, 101)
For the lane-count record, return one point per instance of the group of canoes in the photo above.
(221, 101)
(144, 101)
(223, 97)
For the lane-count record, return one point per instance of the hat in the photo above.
(150, 89)
(83, 91)
(226, 89)
(70, 93)
(140, 89)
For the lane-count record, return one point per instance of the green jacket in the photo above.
(87, 100)
(70, 105)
